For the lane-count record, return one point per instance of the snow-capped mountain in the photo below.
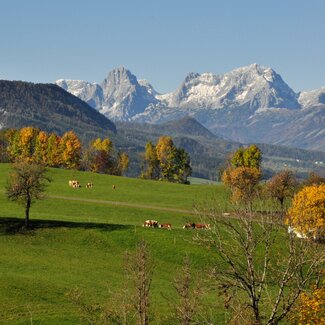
(312, 98)
(248, 104)
(124, 96)
(91, 93)
(120, 96)
(252, 87)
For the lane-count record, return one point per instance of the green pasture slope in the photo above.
(80, 236)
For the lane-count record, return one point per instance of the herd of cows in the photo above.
(192, 225)
(148, 223)
(76, 184)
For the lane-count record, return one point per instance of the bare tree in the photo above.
(189, 292)
(26, 184)
(251, 273)
(139, 269)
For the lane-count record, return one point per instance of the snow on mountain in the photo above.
(144, 83)
(252, 87)
(91, 93)
(248, 104)
(312, 98)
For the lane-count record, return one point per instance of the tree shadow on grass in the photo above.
(11, 226)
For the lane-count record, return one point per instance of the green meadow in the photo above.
(80, 236)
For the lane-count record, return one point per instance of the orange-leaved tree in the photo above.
(243, 184)
(281, 186)
(307, 214)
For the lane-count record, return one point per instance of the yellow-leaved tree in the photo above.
(27, 138)
(165, 151)
(307, 214)
(71, 149)
(311, 307)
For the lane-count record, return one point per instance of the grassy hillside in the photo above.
(79, 243)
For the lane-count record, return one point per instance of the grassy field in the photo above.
(79, 241)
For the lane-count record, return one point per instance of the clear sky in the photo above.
(161, 40)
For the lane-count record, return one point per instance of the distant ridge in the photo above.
(50, 108)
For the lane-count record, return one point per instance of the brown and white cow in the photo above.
(74, 183)
(166, 225)
(89, 185)
(189, 226)
(150, 224)
(202, 226)
(197, 226)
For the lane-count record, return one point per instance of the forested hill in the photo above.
(50, 108)
(208, 152)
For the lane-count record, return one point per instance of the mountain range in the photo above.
(52, 109)
(248, 104)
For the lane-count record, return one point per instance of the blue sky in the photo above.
(162, 40)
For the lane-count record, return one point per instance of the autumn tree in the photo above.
(314, 179)
(282, 186)
(54, 151)
(243, 174)
(165, 151)
(26, 143)
(166, 161)
(151, 162)
(307, 213)
(41, 147)
(26, 184)
(310, 308)
(99, 155)
(243, 183)
(122, 163)
(71, 150)
(21, 143)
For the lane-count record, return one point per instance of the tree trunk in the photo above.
(28, 203)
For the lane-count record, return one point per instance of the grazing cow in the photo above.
(197, 226)
(189, 226)
(74, 183)
(202, 226)
(166, 225)
(150, 224)
(113, 187)
(89, 185)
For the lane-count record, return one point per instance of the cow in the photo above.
(89, 185)
(166, 225)
(189, 226)
(113, 187)
(150, 224)
(197, 226)
(74, 183)
(202, 226)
